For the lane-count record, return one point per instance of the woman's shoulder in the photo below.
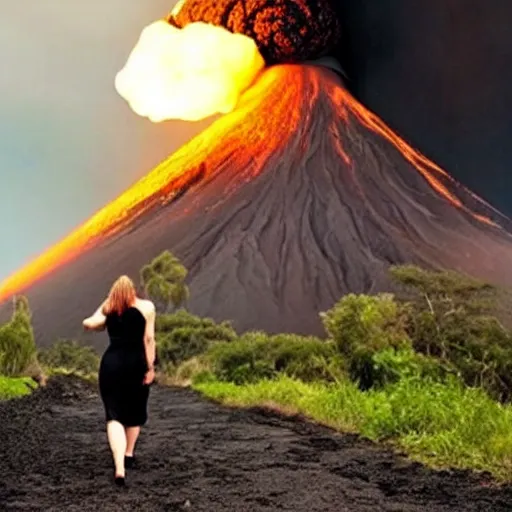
(145, 306)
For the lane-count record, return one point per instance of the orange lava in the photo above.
(274, 93)
(269, 121)
(426, 167)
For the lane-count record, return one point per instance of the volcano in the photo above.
(297, 197)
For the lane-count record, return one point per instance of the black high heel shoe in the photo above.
(119, 481)
(129, 462)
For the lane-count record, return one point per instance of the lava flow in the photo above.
(242, 128)
(280, 107)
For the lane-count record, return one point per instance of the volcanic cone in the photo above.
(297, 197)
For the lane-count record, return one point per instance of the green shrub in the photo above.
(256, 356)
(242, 360)
(14, 387)
(181, 336)
(181, 344)
(373, 321)
(251, 372)
(70, 355)
(17, 350)
(182, 318)
(390, 366)
(481, 350)
(447, 317)
(446, 286)
(363, 325)
(188, 370)
(305, 358)
(17, 344)
(203, 377)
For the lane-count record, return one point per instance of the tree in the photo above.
(452, 318)
(448, 288)
(22, 316)
(17, 343)
(164, 281)
(444, 303)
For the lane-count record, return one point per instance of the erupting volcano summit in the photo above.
(285, 31)
(296, 196)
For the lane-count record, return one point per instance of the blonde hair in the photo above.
(122, 295)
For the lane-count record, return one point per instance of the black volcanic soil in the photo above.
(198, 456)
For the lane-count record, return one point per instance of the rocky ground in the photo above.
(195, 455)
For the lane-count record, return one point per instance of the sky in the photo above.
(438, 72)
(68, 142)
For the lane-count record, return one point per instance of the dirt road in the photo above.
(197, 456)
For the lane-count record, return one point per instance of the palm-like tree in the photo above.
(164, 281)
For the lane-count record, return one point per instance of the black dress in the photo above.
(122, 369)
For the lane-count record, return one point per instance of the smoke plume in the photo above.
(189, 73)
(286, 31)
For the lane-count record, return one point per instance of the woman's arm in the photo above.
(149, 337)
(96, 322)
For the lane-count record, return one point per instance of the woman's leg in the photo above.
(117, 441)
(132, 434)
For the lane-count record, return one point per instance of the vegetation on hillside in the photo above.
(429, 373)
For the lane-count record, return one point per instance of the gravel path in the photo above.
(197, 456)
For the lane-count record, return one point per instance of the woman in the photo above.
(126, 369)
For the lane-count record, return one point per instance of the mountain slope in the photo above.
(277, 209)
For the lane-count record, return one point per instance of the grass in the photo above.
(443, 425)
(15, 387)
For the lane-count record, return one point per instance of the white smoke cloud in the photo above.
(190, 73)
